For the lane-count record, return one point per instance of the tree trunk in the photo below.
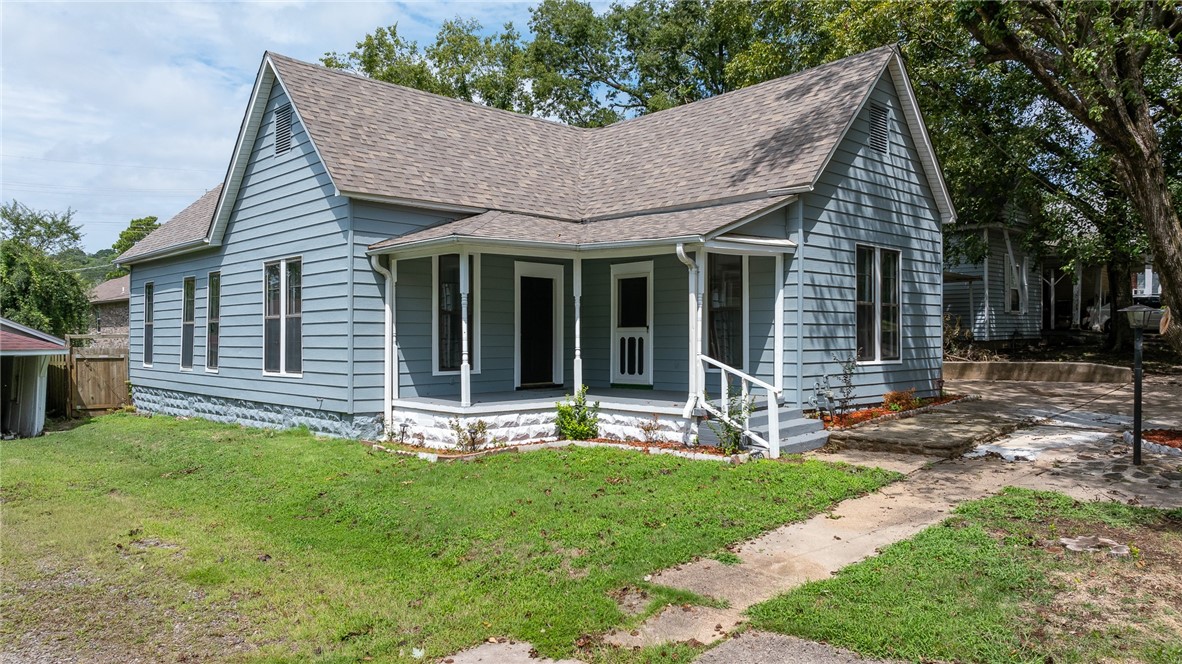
(1119, 336)
(1144, 180)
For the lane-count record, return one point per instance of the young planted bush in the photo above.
(576, 420)
(900, 400)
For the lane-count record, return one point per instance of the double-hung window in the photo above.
(879, 322)
(448, 305)
(188, 305)
(283, 349)
(213, 314)
(1015, 285)
(725, 308)
(149, 314)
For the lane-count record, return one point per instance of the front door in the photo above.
(537, 332)
(539, 324)
(632, 314)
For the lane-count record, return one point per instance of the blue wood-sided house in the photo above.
(380, 260)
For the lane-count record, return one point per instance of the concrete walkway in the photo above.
(1066, 438)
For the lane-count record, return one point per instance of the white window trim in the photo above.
(181, 355)
(878, 361)
(282, 262)
(623, 271)
(1022, 286)
(556, 273)
(208, 369)
(473, 302)
(145, 323)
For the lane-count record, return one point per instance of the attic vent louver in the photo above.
(878, 128)
(282, 129)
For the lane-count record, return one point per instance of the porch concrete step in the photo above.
(804, 442)
(797, 432)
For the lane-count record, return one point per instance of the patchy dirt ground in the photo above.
(1138, 597)
(63, 615)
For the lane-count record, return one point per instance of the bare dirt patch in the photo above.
(632, 601)
(70, 615)
(1138, 596)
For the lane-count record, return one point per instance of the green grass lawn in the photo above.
(993, 584)
(142, 529)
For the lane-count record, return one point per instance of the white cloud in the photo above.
(121, 110)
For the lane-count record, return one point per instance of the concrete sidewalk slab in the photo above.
(767, 648)
(502, 653)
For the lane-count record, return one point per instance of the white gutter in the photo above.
(163, 253)
(692, 399)
(389, 371)
(555, 246)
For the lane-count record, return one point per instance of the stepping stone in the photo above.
(504, 652)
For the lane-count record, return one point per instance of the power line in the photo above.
(113, 165)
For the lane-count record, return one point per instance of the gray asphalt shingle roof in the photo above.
(189, 225)
(380, 140)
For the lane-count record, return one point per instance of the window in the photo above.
(282, 312)
(187, 307)
(879, 311)
(282, 129)
(1015, 286)
(446, 323)
(213, 313)
(149, 314)
(879, 128)
(725, 308)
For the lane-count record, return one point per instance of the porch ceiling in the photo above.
(691, 225)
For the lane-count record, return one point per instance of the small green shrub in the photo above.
(730, 435)
(472, 438)
(576, 420)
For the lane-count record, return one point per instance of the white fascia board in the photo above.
(31, 353)
(166, 252)
(32, 332)
(749, 246)
(923, 141)
(435, 245)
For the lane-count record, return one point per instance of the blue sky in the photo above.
(123, 110)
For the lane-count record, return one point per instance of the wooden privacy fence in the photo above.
(91, 379)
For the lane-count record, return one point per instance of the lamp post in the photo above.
(1138, 320)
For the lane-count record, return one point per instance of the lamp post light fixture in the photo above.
(1139, 316)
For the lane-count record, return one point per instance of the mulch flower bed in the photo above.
(863, 415)
(1167, 437)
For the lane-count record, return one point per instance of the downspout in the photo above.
(798, 258)
(692, 399)
(387, 344)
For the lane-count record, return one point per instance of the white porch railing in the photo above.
(742, 421)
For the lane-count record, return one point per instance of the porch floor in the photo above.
(656, 401)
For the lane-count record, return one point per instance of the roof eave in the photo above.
(33, 332)
(174, 250)
(455, 239)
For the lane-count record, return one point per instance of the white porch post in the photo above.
(577, 287)
(701, 337)
(465, 367)
(392, 350)
(778, 328)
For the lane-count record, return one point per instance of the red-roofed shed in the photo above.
(24, 367)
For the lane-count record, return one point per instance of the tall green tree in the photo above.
(1116, 68)
(137, 229)
(35, 289)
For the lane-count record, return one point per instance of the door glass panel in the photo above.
(632, 298)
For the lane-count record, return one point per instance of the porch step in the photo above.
(797, 432)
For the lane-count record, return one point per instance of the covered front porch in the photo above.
(657, 332)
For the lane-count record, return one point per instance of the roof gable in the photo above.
(17, 339)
